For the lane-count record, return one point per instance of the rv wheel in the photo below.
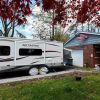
(43, 70)
(33, 71)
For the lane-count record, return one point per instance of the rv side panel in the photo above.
(54, 53)
(23, 55)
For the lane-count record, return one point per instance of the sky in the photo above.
(27, 30)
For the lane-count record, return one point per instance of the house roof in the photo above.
(83, 38)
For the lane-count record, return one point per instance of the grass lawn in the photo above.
(63, 88)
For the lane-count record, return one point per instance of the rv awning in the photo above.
(83, 38)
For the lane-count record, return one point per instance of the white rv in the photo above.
(35, 55)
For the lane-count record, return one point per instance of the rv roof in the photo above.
(13, 39)
(21, 39)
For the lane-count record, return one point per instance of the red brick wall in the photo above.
(88, 54)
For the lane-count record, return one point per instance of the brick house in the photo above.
(85, 49)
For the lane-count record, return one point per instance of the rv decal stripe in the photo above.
(34, 62)
(48, 57)
(11, 59)
(51, 51)
(21, 58)
(7, 59)
(53, 44)
(9, 69)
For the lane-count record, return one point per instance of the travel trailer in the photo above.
(34, 55)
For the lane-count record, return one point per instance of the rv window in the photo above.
(30, 52)
(4, 50)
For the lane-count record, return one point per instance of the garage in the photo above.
(85, 49)
(77, 56)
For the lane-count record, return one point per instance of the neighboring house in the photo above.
(85, 49)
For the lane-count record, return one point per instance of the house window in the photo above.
(4, 50)
(30, 52)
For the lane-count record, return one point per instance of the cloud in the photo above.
(29, 19)
(36, 9)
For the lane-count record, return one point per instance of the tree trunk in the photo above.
(76, 26)
(88, 26)
(5, 29)
(13, 23)
(53, 26)
(82, 27)
(98, 29)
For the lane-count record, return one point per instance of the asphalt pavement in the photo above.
(14, 74)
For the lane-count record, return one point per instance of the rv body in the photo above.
(27, 53)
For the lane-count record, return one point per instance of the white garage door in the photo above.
(77, 56)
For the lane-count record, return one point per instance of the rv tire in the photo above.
(33, 71)
(43, 70)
